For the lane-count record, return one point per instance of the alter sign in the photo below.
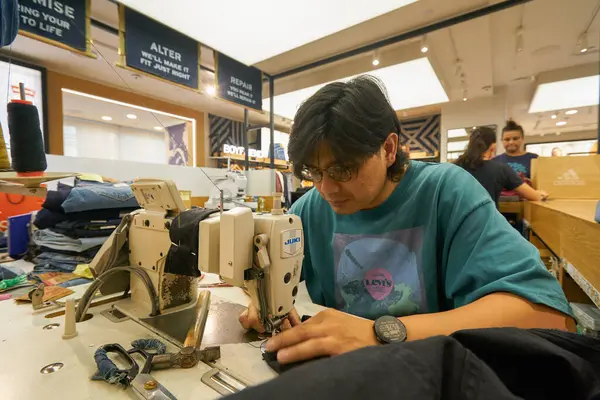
(238, 83)
(239, 151)
(159, 50)
(62, 23)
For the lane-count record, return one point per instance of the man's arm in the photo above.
(333, 332)
(492, 311)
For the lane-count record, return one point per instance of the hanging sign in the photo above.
(154, 48)
(64, 23)
(238, 83)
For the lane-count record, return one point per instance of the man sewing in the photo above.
(389, 237)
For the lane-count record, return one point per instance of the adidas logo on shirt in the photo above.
(569, 178)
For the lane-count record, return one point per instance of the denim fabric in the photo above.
(75, 282)
(55, 198)
(89, 253)
(107, 370)
(86, 229)
(56, 262)
(99, 196)
(53, 240)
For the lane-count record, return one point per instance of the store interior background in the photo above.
(536, 63)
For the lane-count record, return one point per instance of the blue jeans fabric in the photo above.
(99, 196)
(56, 262)
(53, 240)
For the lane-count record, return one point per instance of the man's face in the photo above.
(512, 141)
(363, 188)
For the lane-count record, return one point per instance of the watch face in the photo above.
(390, 330)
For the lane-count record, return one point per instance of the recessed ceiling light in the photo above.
(106, 118)
(553, 116)
(561, 123)
(131, 116)
(211, 90)
(410, 84)
(424, 45)
(323, 17)
(375, 62)
(464, 99)
(571, 112)
(568, 94)
(158, 128)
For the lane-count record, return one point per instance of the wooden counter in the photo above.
(568, 228)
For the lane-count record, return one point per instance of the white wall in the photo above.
(481, 111)
(260, 182)
(84, 138)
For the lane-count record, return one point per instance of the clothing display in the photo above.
(361, 275)
(73, 224)
(483, 364)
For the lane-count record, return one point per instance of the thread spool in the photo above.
(26, 142)
(4, 161)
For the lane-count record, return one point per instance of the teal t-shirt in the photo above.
(437, 243)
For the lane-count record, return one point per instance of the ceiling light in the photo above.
(561, 123)
(131, 116)
(323, 17)
(553, 116)
(571, 112)
(464, 95)
(210, 90)
(569, 94)
(375, 62)
(106, 118)
(158, 128)
(582, 43)
(424, 45)
(410, 84)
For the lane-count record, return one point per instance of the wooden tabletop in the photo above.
(582, 209)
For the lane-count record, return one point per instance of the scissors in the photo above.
(144, 385)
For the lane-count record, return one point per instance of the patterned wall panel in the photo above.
(224, 131)
(421, 134)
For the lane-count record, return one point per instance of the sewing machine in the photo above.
(261, 252)
(233, 189)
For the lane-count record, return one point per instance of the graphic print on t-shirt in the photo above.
(380, 274)
(519, 168)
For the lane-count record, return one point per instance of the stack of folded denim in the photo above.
(75, 221)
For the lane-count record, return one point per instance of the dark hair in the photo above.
(479, 142)
(512, 126)
(353, 118)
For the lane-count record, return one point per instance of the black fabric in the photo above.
(495, 176)
(182, 258)
(45, 218)
(55, 198)
(484, 364)
(87, 229)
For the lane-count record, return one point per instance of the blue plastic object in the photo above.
(9, 21)
(18, 235)
(598, 212)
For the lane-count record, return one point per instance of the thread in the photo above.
(4, 161)
(26, 142)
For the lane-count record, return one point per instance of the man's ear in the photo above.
(391, 148)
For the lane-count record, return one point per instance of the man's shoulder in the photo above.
(531, 155)
(439, 172)
(308, 200)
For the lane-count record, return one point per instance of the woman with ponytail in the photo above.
(492, 175)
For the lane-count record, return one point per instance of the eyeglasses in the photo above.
(339, 173)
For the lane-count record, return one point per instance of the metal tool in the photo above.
(144, 385)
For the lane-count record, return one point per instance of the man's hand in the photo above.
(249, 319)
(328, 333)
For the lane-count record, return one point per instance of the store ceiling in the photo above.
(486, 47)
(91, 109)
